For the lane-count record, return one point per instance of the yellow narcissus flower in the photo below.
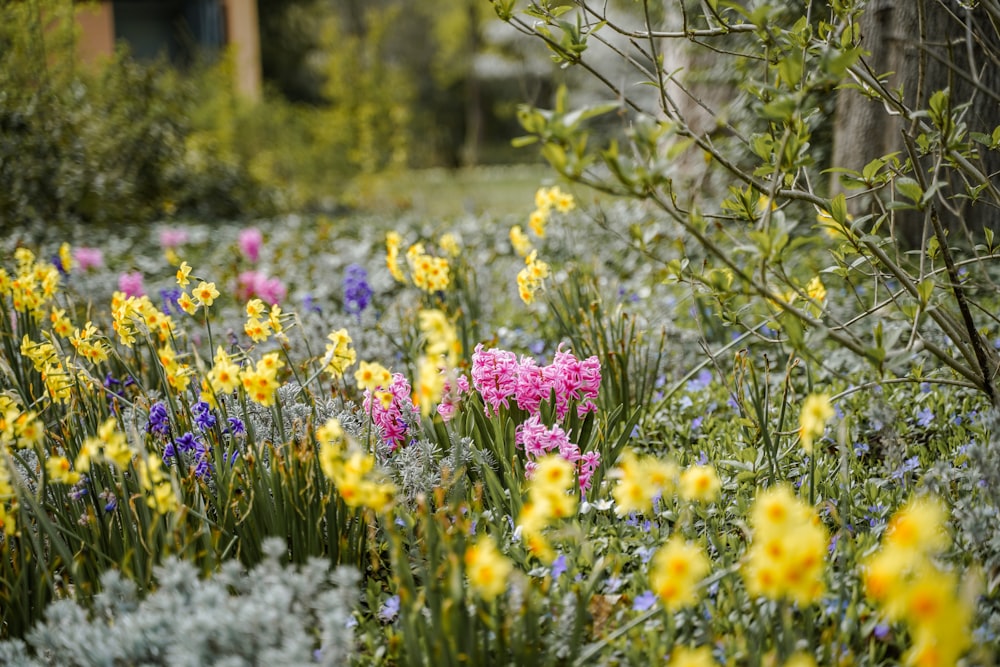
(205, 293)
(255, 308)
(187, 304)
(372, 375)
(224, 376)
(520, 241)
(919, 526)
(339, 354)
(640, 479)
(449, 244)
(786, 556)
(58, 470)
(677, 569)
(692, 657)
(816, 412)
(487, 569)
(700, 483)
(182, 274)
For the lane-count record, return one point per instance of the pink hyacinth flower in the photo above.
(88, 258)
(131, 284)
(494, 375)
(250, 240)
(172, 238)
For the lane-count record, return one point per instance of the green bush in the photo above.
(103, 145)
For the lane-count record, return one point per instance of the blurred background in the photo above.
(130, 110)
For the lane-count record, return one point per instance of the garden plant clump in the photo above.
(636, 428)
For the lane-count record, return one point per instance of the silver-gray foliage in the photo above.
(273, 615)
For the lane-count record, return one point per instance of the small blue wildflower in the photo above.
(159, 420)
(925, 417)
(701, 381)
(635, 432)
(860, 448)
(644, 601)
(645, 553)
(389, 610)
(236, 426)
(697, 422)
(309, 304)
(559, 566)
(537, 348)
(612, 584)
(357, 291)
(111, 381)
(881, 631)
(685, 403)
(702, 458)
(909, 465)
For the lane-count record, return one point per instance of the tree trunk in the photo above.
(926, 48)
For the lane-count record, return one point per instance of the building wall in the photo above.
(97, 39)
(97, 32)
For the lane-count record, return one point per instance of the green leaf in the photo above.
(910, 189)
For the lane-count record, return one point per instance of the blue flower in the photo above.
(236, 426)
(389, 610)
(159, 420)
(925, 417)
(170, 298)
(309, 304)
(357, 291)
(558, 566)
(187, 442)
(644, 601)
(203, 416)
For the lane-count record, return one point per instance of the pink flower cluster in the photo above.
(389, 420)
(451, 396)
(498, 377)
(250, 241)
(88, 258)
(537, 441)
(250, 284)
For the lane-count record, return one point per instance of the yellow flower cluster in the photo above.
(677, 569)
(178, 374)
(393, 242)
(46, 361)
(700, 483)
(109, 445)
(222, 378)
(551, 496)
(261, 381)
(908, 585)
(520, 241)
(441, 350)
(430, 273)
(8, 501)
(352, 471)
(130, 312)
(487, 568)
(786, 557)
(204, 294)
(161, 496)
(546, 201)
(59, 472)
(372, 375)
(88, 343)
(640, 479)
(32, 286)
(816, 412)
(692, 657)
(261, 322)
(61, 325)
(17, 427)
(531, 278)
(340, 354)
